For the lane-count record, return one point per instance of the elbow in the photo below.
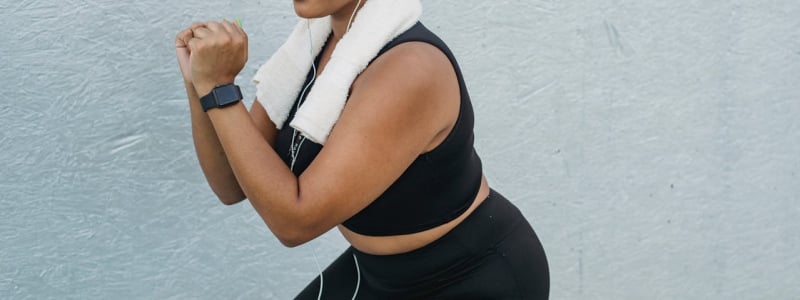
(294, 235)
(229, 197)
(290, 243)
(227, 190)
(294, 226)
(231, 200)
(293, 239)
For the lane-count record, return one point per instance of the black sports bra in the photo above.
(437, 187)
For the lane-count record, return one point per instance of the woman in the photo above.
(398, 174)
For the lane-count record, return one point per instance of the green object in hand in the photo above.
(238, 22)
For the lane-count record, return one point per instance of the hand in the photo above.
(218, 52)
(182, 50)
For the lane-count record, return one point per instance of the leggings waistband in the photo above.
(447, 258)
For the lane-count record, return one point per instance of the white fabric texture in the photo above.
(280, 80)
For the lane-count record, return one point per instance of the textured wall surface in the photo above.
(653, 145)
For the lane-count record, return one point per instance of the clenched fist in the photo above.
(182, 50)
(217, 53)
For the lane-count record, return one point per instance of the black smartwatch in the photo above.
(221, 96)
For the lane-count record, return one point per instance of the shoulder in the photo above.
(418, 68)
(412, 89)
(412, 62)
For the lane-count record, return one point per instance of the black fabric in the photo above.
(435, 189)
(493, 254)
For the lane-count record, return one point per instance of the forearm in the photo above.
(210, 153)
(271, 187)
(233, 150)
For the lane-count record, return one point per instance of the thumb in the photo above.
(182, 38)
(184, 62)
(182, 52)
(179, 43)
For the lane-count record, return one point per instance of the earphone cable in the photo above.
(294, 151)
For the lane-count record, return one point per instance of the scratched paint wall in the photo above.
(653, 144)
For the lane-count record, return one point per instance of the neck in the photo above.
(341, 18)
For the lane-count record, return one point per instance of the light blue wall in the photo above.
(653, 145)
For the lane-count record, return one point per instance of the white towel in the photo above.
(279, 81)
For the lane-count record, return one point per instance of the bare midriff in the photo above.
(396, 244)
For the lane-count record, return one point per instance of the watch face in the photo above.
(227, 94)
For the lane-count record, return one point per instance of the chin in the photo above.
(310, 9)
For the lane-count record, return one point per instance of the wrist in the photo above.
(221, 96)
(204, 87)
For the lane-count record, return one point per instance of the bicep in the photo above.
(263, 123)
(387, 123)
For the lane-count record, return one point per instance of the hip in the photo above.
(493, 252)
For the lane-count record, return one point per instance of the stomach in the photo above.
(396, 244)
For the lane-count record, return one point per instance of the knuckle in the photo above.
(196, 25)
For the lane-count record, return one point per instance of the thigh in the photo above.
(339, 280)
(526, 259)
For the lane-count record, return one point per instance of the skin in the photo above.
(404, 104)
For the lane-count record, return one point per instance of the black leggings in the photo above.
(493, 254)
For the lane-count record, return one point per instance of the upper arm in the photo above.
(263, 123)
(398, 105)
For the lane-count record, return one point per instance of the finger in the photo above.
(202, 32)
(237, 32)
(182, 38)
(220, 33)
(214, 27)
(230, 28)
(193, 43)
(238, 26)
(196, 25)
